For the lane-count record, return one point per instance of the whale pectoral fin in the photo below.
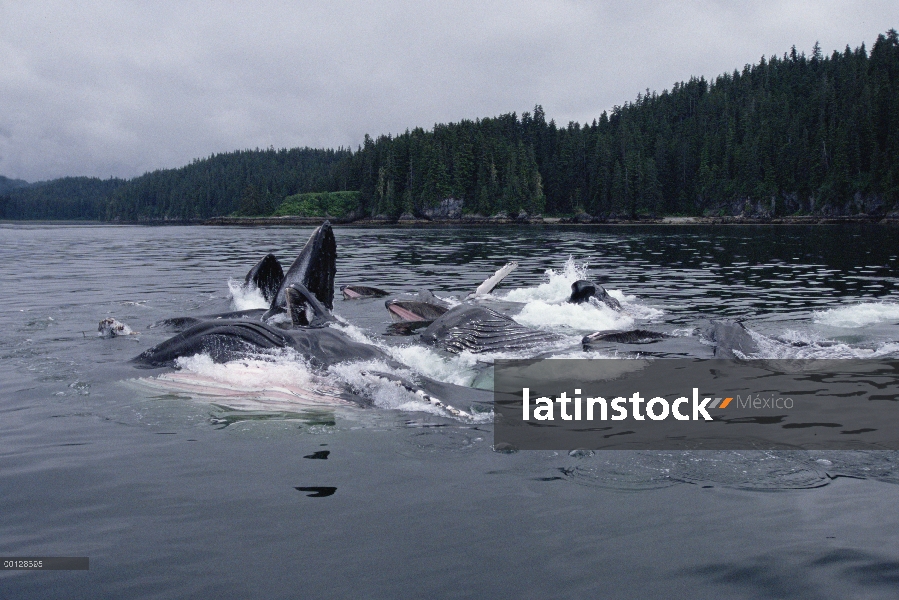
(491, 282)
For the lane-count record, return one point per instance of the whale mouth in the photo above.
(413, 311)
(355, 292)
(314, 268)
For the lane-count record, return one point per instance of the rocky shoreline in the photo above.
(478, 220)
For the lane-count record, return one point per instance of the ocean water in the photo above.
(185, 483)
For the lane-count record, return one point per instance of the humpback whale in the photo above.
(180, 323)
(425, 308)
(314, 268)
(582, 290)
(239, 334)
(478, 329)
(354, 292)
(408, 314)
(226, 340)
(731, 339)
(633, 336)
(229, 339)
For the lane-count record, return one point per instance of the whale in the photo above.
(409, 314)
(582, 291)
(225, 340)
(731, 339)
(424, 308)
(266, 276)
(358, 292)
(631, 336)
(305, 297)
(478, 329)
(314, 268)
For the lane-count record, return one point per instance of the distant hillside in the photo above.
(65, 199)
(249, 180)
(795, 134)
(7, 184)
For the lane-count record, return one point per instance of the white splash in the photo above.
(377, 381)
(245, 297)
(111, 327)
(858, 315)
(458, 369)
(546, 306)
(588, 316)
(280, 382)
(794, 345)
(630, 305)
(556, 288)
(455, 369)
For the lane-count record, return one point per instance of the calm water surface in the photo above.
(173, 495)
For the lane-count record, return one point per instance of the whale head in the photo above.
(314, 269)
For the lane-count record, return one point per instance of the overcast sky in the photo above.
(117, 88)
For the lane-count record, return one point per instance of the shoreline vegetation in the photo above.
(792, 138)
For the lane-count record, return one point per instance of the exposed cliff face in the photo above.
(449, 208)
(787, 204)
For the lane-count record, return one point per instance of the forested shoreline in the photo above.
(791, 135)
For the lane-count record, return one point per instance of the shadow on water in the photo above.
(317, 492)
(320, 455)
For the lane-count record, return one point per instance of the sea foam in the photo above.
(858, 315)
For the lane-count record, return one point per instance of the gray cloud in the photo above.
(116, 89)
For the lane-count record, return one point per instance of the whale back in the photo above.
(732, 339)
(222, 339)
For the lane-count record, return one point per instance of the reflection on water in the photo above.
(227, 416)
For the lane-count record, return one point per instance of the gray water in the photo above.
(175, 495)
